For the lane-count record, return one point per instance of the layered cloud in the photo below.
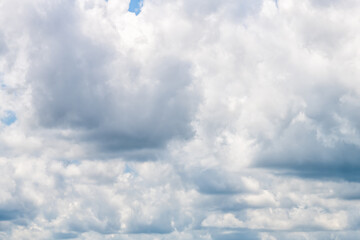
(185, 120)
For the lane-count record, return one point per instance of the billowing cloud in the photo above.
(187, 120)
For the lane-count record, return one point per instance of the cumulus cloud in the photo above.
(187, 120)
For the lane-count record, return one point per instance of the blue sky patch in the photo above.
(128, 169)
(9, 118)
(276, 2)
(135, 6)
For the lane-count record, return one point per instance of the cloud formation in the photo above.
(191, 120)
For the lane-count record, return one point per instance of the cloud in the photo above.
(81, 82)
(191, 120)
(109, 98)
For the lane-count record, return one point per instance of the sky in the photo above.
(135, 6)
(179, 119)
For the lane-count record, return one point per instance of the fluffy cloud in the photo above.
(191, 120)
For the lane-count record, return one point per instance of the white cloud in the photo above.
(193, 120)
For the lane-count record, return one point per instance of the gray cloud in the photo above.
(193, 120)
(76, 85)
(320, 145)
